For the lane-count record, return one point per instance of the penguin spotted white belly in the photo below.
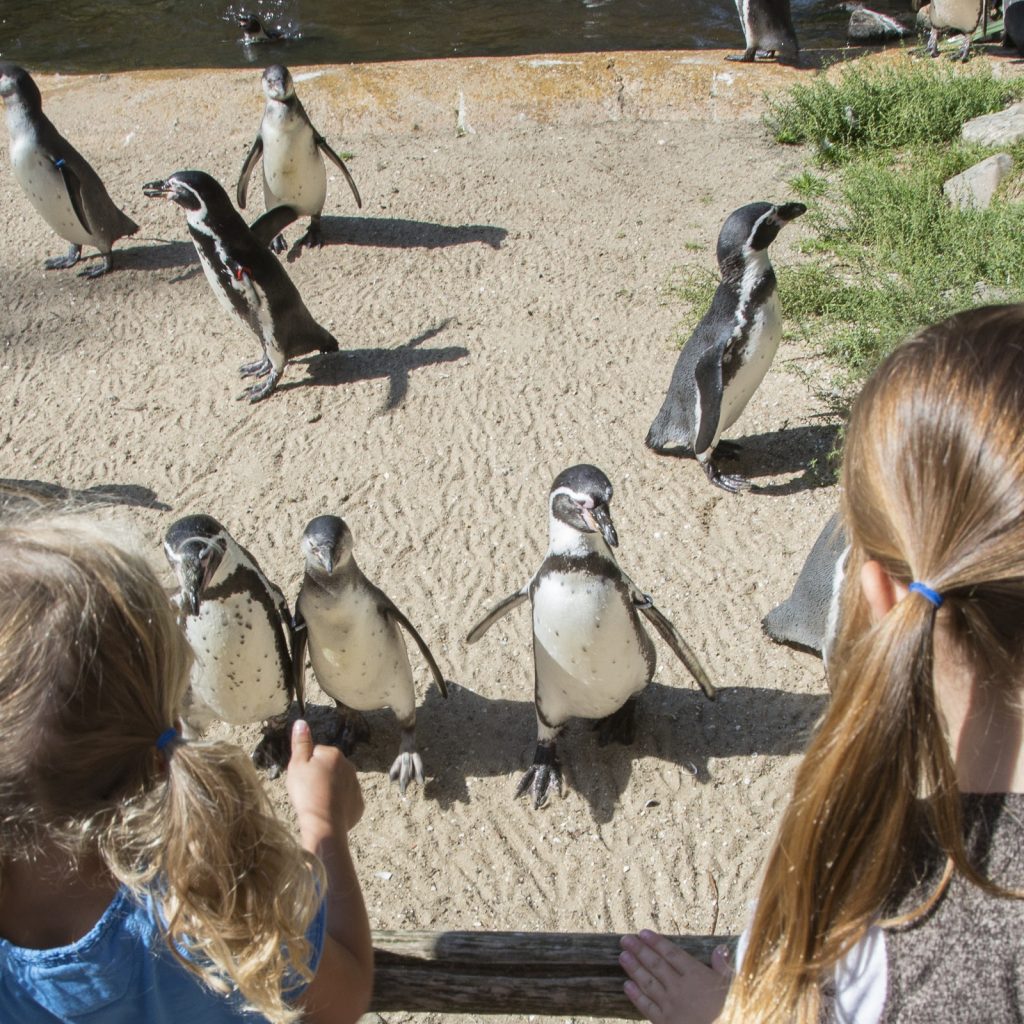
(589, 660)
(358, 657)
(293, 170)
(238, 673)
(43, 184)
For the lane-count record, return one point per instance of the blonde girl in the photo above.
(893, 891)
(144, 878)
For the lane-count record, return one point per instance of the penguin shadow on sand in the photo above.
(162, 255)
(465, 737)
(804, 450)
(27, 495)
(469, 736)
(679, 726)
(395, 364)
(399, 233)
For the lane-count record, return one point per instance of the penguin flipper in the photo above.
(247, 168)
(335, 159)
(272, 223)
(390, 611)
(680, 647)
(707, 375)
(73, 185)
(299, 636)
(501, 609)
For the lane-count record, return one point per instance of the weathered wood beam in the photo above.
(547, 973)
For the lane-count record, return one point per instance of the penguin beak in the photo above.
(789, 211)
(157, 189)
(323, 556)
(599, 520)
(192, 574)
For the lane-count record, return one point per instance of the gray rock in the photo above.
(1001, 129)
(974, 188)
(868, 26)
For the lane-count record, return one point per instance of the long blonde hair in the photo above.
(93, 669)
(933, 488)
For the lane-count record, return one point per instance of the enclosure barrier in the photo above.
(544, 973)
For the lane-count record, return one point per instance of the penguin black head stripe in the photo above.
(580, 497)
(16, 81)
(195, 546)
(193, 191)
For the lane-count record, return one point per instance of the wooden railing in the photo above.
(544, 973)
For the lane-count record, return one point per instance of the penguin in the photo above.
(962, 16)
(254, 31)
(732, 347)
(768, 28)
(245, 276)
(1013, 26)
(591, 654)
(809, 617)
(355, 644)
(59, 182)
(241, 632)
(293, 168)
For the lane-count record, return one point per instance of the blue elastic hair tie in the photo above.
(166, 737)
(926, 592)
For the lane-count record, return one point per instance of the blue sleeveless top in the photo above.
(120, 972)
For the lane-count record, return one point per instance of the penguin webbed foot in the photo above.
(618, 727)
(258, 369)
(69, 259)
(260, 391)
(731, 482)
(312, 239)
(105, 265)
(273, 751)
(545, 772)
(278, 245)
(407, 766)
(746, 57)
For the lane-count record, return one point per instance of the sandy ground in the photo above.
(503, 308)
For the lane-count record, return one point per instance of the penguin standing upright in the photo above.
(248, 280)
(729, 352)
(240, 630)
(768, 28)
(962, 16)
(355, 644)
(1013, 25)
(59, 182)
(293, 168)
(591, 654)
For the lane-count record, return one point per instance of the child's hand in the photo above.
(669, 986)
(322, 785)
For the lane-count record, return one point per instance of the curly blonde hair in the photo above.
(93, 668)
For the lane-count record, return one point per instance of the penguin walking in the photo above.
(245, 276)
(355, 644)
(767, 28)
(241, 632)
(809, 617)
(729, 352)
(962, 16)
(591, 654)
(59, 182)
(293, 167)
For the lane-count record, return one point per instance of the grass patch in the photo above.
(879, 108)
(890, 255)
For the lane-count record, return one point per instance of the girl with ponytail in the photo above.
(144, 878)
(893, 892)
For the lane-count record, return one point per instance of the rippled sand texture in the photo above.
(502, 308)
